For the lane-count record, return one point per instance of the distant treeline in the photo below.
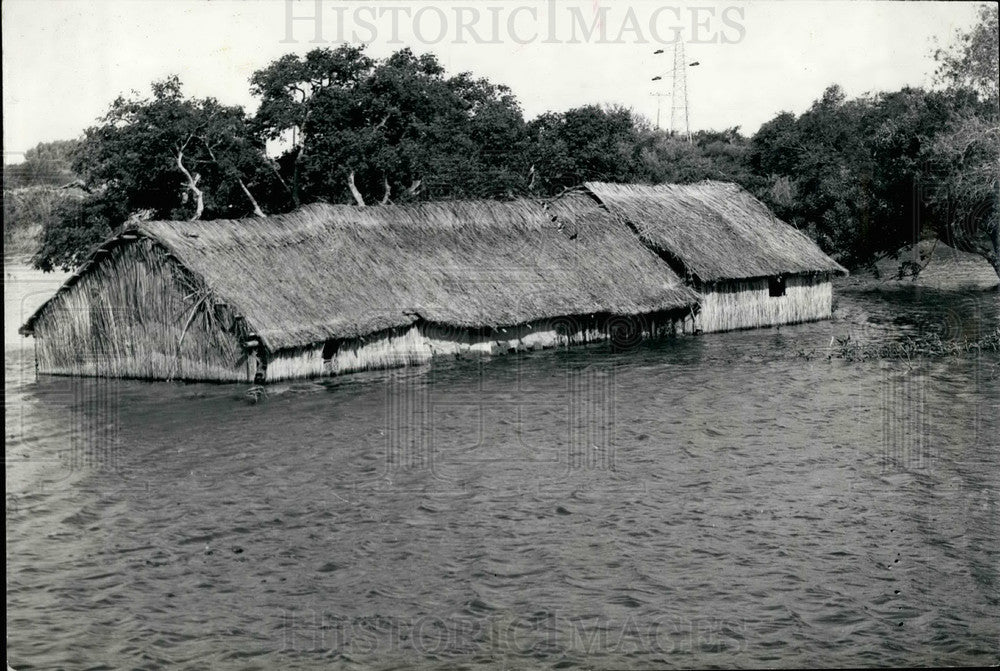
(36, 193)
(862, 176)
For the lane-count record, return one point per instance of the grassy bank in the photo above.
(933, 265)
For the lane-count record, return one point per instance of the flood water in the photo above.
(726, 500)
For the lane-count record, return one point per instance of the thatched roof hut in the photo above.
(335, 288)
(751, 268)
(717, 230)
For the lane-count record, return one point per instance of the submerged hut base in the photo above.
(423, 342)
(394, 348)
(749, 304)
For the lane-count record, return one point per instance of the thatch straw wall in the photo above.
(742, 304)
(420, 343)
(136, 313)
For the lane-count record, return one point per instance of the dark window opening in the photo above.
(776, 286)
(330, 348)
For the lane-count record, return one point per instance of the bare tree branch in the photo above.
(192, 182)
(253, 201)
(388, 190)
(354, 190)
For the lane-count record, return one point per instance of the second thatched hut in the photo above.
(750, 268)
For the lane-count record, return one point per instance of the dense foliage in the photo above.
(862, 176)
(397, 129)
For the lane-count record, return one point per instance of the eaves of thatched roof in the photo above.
(716, 230)
(338, 271)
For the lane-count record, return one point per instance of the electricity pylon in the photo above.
(679, 114)
(679, 98)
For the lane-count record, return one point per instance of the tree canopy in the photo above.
(174, 157)
(395, 129)
(963, 181)
(863, 176)
(973, 60)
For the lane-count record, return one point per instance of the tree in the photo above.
(849, 171)
(715, 155)
(468, 138)
(585, 143)
(964, 159)
(973, 61)
(76, 228)
(168, 157)
(961, 183)
(302, 96)
(392, 129)
(174, 156)
(817, 174)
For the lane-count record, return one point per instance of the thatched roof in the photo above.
(329, 271)
(716, 230)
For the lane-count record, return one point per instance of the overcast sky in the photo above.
(64, 61)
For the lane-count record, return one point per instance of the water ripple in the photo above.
(711, 501)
